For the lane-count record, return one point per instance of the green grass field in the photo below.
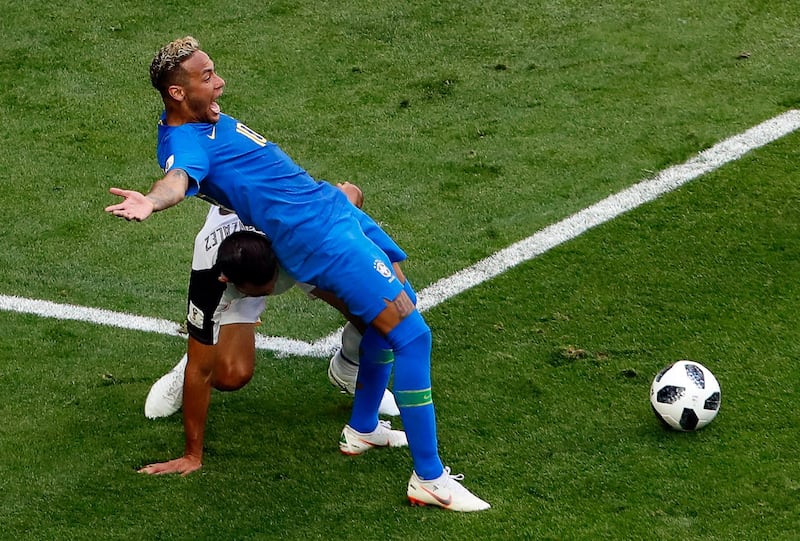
(470, 126)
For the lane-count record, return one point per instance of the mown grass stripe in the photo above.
(729, 150)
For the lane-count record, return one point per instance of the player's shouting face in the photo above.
(201, 89)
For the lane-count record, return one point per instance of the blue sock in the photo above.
(411, 341)
(374, 369)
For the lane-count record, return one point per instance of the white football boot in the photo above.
(342, 373)
(341, 376)
(388, 405)
(343, 370)
(352, 442)
(166, 394)
(445, 492)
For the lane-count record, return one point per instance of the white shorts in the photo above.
(234, 307)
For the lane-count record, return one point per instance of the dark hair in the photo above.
(246, 257)
(166, 69)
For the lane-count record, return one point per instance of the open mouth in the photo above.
(215, 107)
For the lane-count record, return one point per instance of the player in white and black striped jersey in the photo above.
(221, 324)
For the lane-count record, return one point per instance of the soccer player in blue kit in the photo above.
(319, 238)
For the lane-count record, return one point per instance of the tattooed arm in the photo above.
(165, 193)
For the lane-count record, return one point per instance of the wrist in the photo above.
(153, 203)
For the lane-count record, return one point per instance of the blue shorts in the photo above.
(377, 235)
(356, 268)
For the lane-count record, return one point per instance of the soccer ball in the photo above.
(685, 396)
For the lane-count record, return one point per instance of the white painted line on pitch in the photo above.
(648, 190)
(540, 242)
(137, 323)
(89, 315)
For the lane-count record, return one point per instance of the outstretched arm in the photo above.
(196, 398)
(226, 366)
(165, 193)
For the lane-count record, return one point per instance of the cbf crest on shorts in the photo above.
(383, 270)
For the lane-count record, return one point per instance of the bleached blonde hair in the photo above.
(165, 69)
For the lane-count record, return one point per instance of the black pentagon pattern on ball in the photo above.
(712, 402)
(669, 394)
(695, 373)
(663, 371)
(689, 419)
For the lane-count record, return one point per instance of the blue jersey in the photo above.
(311, 224)
(229, 164)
